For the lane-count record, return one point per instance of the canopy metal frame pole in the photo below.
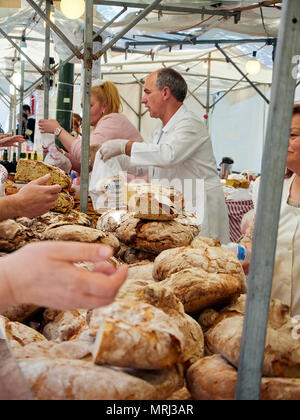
(269, 201)
(124, 31)
(55, 29)
(242, 73)
(182, 9)
(47, 63)
(20, 51)
(21, 97)
(87, 82)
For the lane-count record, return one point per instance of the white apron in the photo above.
(286, 279)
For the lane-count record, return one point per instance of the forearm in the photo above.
(6, 295)
(66, 139)
(10, 207)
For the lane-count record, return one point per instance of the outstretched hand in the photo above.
(8, 140)
(44, 274)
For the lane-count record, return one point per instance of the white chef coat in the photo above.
(286, 279)
(182, 151)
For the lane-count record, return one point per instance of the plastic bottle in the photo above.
(240, 251)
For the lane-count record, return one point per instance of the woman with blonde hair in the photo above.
(105, 117)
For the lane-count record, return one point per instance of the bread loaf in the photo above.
(65, 325)
(198, 290)
(21, 312)
(207, 259)
(154, 236)
(65, 379)
(29, 170)
(18, 335)
(132, 256)
(213, 378)
(137, 335)
(64, 202)
(13, 236)
(282, 350)
(81, 234)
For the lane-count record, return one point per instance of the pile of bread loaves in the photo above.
(174, 330)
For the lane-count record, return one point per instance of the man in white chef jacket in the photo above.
(179, 151)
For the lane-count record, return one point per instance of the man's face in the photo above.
(293, 157)
(153, 98)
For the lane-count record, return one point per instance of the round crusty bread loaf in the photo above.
(198, 290)
(282, 350)
(154, 236)
(207, 259)
(81, 234)
(65, 325)
(213, 378)
(13, 235)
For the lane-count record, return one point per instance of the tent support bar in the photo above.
(269, 202)
(56, 69)
(242, 73)
(87, 83)
(9, 81)
(55, 29)
(201, 41)
(129, 106)
(47, 63)
(226, 93)
(124, 31)
(181, 9)
(20, 51)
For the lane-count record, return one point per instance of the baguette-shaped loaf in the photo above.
(65, 325)
(213, 378)
(282, 350)
(29, 170)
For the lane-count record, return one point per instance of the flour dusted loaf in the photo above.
(282, 350)
(29, 170)
(65, 379)
(153, 202)
(213, 378)
(209, 259)
(65, 325)
(13, 235)
(153, 236)
(132, 256)
(198, 290)
(18, 334)
(146, 336)
(81, 234)
(138, 335)
(54, 219)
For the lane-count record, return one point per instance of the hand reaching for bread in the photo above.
(44, 274)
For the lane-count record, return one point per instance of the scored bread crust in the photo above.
(29, 170)
(154, 236)
(137, 335)
(67, 379)
(81, 234)
(282, 349)
(18, 334)
(198, 290)
(213, 378)
(13, 235)
(207, 259)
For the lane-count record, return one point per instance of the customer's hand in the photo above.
(112, 148)
(48, 126)
(8, 140)
(36, 198)
(44, 274)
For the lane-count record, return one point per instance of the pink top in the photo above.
(109, 127)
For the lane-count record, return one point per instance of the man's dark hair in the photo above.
(174, 81)
(26, 108)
